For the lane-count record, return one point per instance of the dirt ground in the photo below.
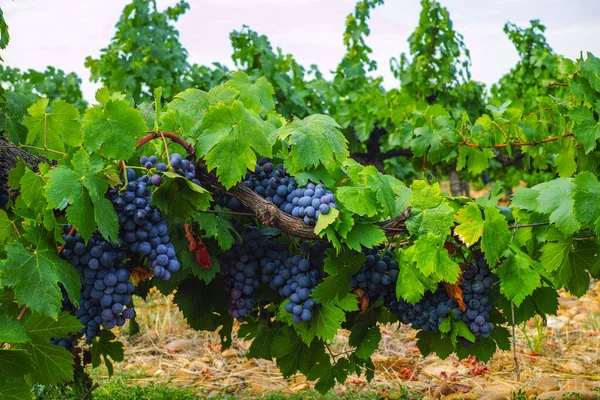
(562, 355)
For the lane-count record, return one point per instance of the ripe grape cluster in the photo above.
(428, 313)
(477, 285)
(180, 166)
(143, 231)
(276, 185)
(68, 307)
(240, 270)
(256, 259)
(434, 307)
(378, 274)
(106, 289)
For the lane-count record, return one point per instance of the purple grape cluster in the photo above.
(276, 185)
(295, 277)
(106, 289)
(434, 307)
(378, 274)
(477, 285)
(143, 230)
(240, 270)
(180, 166)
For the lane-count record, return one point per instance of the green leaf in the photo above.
(83, 189)
(263, 340)
(256, 96)
(12, 117)
(327, 320)
(315, 140)
(431, 257)
(425, 195)
(587, 130)
(218, 227)
(359, 200)
(53, 126)
(470, 226)
(185, 112)
(430, 342)
(325, 220)
(7, 230)
(553, 198)
(188, 201)
(518, 276)
(292, 354)
(12, 331)
(496, 236)
(364, 235)
(53, 364)
(44, 328)
(436, 220)
(32, 186)
(113, 128)
(14, 364)
(35, 274)
(475, 159)
(587, 198)
(340, 269)
(229, 137)
(438, 139)
(410, 285)
(16, 389)
(108, 348)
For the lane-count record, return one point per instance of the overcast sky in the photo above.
(63, 32)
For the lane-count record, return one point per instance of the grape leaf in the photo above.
(325, 220)
(185, 112)
(425, 195)
(7, 230)
(475, 159)
(292, 354)
(315, 140)
(364, 235)
(218, 227)
(411, 284)
(108, 348)
(11, 330)
(32, 185)
(496, 236)
(365, 341)
(44, 328)
(180, 198)
(83, 189)
(430, 342)
(16, 389)
(53, 364)
(587, 198)
(229, 136)
(587, 129)
(518, 276)
(438, 139)
(437, 220)
(340, 269)
(431, 257)
(13, 365)
(359, 200)
(328, 374)
(113, 128)
(34, 273)
(327, 318)
(263, 340)
(470, 226)
(257, 96)
(52, 127)
(11, 119)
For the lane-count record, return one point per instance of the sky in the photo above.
(68, 31)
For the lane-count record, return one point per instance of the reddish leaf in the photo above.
(196, 246)
(455, 292)
(363, 299)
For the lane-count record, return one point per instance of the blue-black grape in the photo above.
(477, 285)
(103, 276)
(378, 275)
(180, 166)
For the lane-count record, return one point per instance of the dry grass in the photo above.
(168, 352)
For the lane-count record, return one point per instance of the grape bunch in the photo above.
(428, 313)
(240, 269)
(180, 166)
(106, 289)
(378, 274)
(67, 306)
(67, 342)
(276, 185)
(295, 277)
(143, 231)
(477, 285)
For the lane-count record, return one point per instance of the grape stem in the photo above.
(162, 134)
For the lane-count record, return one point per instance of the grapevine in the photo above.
(279, 203)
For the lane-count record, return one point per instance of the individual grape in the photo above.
(156, 180)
